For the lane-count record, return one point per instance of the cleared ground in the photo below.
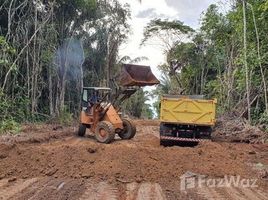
(49, 162)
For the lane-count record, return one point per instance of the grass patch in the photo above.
(9, 126)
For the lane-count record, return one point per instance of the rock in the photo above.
(51, 172)
(200, 152)
(92, 161)
(139, 179)
(25, 176)
(259, 165)
(60, 185)
(57, 127)
(91, 150)
(2, 155)
(264, 174)
(88, 174)
(12, 179)
(252, 152)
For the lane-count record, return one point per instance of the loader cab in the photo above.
(93, 95)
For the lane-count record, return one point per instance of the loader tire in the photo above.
(82, 130)
(104, 132)
(129, 130)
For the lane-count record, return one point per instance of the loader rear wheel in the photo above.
(82, 130)
(129, 130)
(104, 132)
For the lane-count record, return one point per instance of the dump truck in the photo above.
(100, 112)
(186, 119)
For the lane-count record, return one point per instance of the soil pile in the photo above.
(231, 129)
(64, 166)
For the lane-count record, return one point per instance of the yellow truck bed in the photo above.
(186, 110)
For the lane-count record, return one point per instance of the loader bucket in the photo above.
(137, 75)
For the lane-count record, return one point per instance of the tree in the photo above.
(49, 48)
(166, 32)
(224, 60)
(245, 60)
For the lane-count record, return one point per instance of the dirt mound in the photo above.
(125, 161)
(81, 162)
(236, 130)
(147, 122)
(38, 133)
(5, 148)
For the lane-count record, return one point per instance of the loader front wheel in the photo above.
(104, 132)
(82, 130)
(129, 130)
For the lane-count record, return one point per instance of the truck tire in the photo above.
(163, 128)
(104, 132)
(164, 143)
(82, 130)
(129, 130)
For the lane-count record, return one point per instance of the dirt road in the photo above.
(52, 163)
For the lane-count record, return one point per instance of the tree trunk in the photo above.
(245, 61)
(259, 60)
(50, 91)
(34, 72)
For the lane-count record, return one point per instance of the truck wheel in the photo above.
(82, 130)
(129, 130)
(164, 143)
(104, 132)
(162, 128)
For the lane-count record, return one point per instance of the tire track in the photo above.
(9, 190)
(253, 194)
(209, 193)
(144, 191)
(231, 193)
(100, 191)
(51, 188)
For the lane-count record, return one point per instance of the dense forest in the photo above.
(49, 49)
(226, 58)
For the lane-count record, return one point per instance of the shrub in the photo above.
(264, 120)
(65, 117)
(9, 126)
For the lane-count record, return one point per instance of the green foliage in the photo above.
(156, 106)
(9, 126)
(65, 117)
(212, 63)
(12, 112)
(5, 47)
(31, 45)
(264, 119)
(147, 112)
(136, 105)
(158, 26)
(6, 52)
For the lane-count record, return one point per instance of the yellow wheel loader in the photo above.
(101, 115)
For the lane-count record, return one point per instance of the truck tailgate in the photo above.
(188, 111)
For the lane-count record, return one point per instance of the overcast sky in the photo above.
(187, 11)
